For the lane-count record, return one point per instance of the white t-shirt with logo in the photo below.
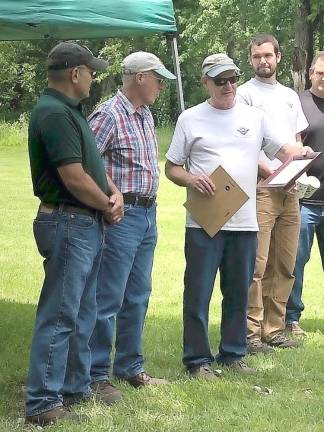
(206, 137)
(281, 104)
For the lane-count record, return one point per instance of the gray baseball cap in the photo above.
(215, 64)
(142, 61)
(67, 55)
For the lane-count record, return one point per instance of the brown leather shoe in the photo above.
(143, 379)
(295, 330)
(281, 341)
(205, 372)
(240, 366)
(53, 416)
(105, 392)
(75, 398)
(256, 346)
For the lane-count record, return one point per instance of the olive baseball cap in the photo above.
(215, 64)
(142, 61)
(67, 55)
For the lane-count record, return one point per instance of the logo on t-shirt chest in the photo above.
(243, 130)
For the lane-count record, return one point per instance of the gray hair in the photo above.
(128, 79)
(320, 55)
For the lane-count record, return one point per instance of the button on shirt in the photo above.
(126, 139)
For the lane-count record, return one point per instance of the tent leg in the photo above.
(175, 56)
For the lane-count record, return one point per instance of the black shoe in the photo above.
(281, 341)
(256, 346)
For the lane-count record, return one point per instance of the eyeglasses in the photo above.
(219, 82)
(160, 80)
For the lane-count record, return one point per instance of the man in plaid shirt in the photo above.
(125, 136)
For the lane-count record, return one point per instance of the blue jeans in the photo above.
(124, 288)
(233, 252)
(312, 222)
(60, 356)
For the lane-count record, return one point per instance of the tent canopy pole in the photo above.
(176, 64)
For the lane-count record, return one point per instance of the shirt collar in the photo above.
(63, 98)
(143, 110)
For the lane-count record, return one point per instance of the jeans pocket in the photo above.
(45, 233)
(81, 221)
(127, 207)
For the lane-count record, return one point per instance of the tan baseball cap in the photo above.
(142, 61)
(215, 64)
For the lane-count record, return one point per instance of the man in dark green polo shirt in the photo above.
(70, 181)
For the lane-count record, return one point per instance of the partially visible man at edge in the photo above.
(312, 209)
(277, 210)
(125, 135)
(70, 181)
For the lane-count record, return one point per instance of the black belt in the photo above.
(50, 208)
(140, 200)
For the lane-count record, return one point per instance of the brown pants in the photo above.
(279, 224)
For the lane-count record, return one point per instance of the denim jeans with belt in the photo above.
(233, 252)
(124, 287)
(71, 244)
(312, 222)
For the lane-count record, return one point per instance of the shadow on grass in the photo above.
(162, 347)
(313, 325)
(16, 326)
(162, 350)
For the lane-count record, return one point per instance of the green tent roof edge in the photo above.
(84, 19)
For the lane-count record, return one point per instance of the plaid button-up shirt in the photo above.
(126, 140)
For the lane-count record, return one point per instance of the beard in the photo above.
(265, 73)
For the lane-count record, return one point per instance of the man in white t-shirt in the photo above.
(220, 132)
(277, 210)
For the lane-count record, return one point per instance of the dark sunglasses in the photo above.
(222, 81)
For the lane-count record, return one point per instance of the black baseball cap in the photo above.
(67, 55)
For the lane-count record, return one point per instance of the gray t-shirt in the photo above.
(206, 137)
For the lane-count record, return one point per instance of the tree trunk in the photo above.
(303, 50)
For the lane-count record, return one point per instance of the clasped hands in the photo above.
(115, 211)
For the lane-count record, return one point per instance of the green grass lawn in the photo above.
(296, 377)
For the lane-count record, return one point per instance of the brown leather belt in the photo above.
(50, 208)
(140, 200)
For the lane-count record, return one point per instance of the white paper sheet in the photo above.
(289, 172)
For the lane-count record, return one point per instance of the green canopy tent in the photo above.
(89, 19)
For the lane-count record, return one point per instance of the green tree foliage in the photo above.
(205, 27)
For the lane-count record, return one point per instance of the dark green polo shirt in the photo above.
(58, 135)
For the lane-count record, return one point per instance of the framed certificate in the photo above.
(286, 175)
